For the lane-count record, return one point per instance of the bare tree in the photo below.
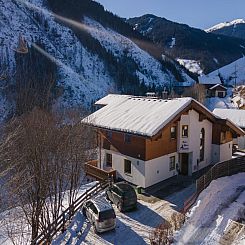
(162, 235)
(42, 156)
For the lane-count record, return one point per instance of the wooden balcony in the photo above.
(91, 169)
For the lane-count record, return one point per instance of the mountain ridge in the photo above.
(234, 28)
(180, 41)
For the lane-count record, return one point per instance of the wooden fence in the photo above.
(227, 168)
(60, 223)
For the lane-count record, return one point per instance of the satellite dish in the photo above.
(22, 47)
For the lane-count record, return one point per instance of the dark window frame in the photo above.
(185, 132)
(202, 145)
(172, 163)
(127, 138)
(127, 169)
(108, 163)
(173, 135)
(109, 134)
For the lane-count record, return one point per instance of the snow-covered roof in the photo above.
(234, 115)
(112, 98)
(138, 115)
(218, 85)
(209, 80)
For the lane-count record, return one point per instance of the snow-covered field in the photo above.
(223, 200)
(191, 65)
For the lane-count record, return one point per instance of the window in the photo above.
(127, 138)
(117, 191)
(172, 163)
(93, 208)
(108, 160)
(222, 136)
(221, 94)
(127, 166)
(202, 144)
(109, 134)
(173, 132)
(185, 131)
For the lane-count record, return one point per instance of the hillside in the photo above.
(91, 52)
(231, 74)
(181, 41)
(235, 28)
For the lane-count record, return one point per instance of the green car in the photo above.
(122, 195)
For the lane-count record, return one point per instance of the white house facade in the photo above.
(150, 140)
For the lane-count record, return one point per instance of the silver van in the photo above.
(100, 214)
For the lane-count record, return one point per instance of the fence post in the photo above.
(63, 222)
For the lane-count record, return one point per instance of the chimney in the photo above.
(165, 94)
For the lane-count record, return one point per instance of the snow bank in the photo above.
(222, 200)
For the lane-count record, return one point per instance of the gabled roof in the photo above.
(142, 115)
(234, 115)
(138, 115)
(218, 85)
(209, 80)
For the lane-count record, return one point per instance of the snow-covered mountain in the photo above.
(231, 74)
(86, 71)
(235, 28)
(190, 45)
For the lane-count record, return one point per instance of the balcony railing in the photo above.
(91, 169)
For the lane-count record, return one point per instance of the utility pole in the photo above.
(235, 77)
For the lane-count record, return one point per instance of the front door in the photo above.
(184, 163)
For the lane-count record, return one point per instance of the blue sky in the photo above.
(196, 13)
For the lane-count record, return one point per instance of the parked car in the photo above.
(100, 214)
(122, 195)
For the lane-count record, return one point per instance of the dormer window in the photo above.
(109, 134)
(127, 138)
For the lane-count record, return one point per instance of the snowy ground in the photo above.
(223, 200)
(13, 221)
(132, 227)
(216, 102)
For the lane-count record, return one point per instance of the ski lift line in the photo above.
(74, 23)
(58, 62)
(59, 17)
